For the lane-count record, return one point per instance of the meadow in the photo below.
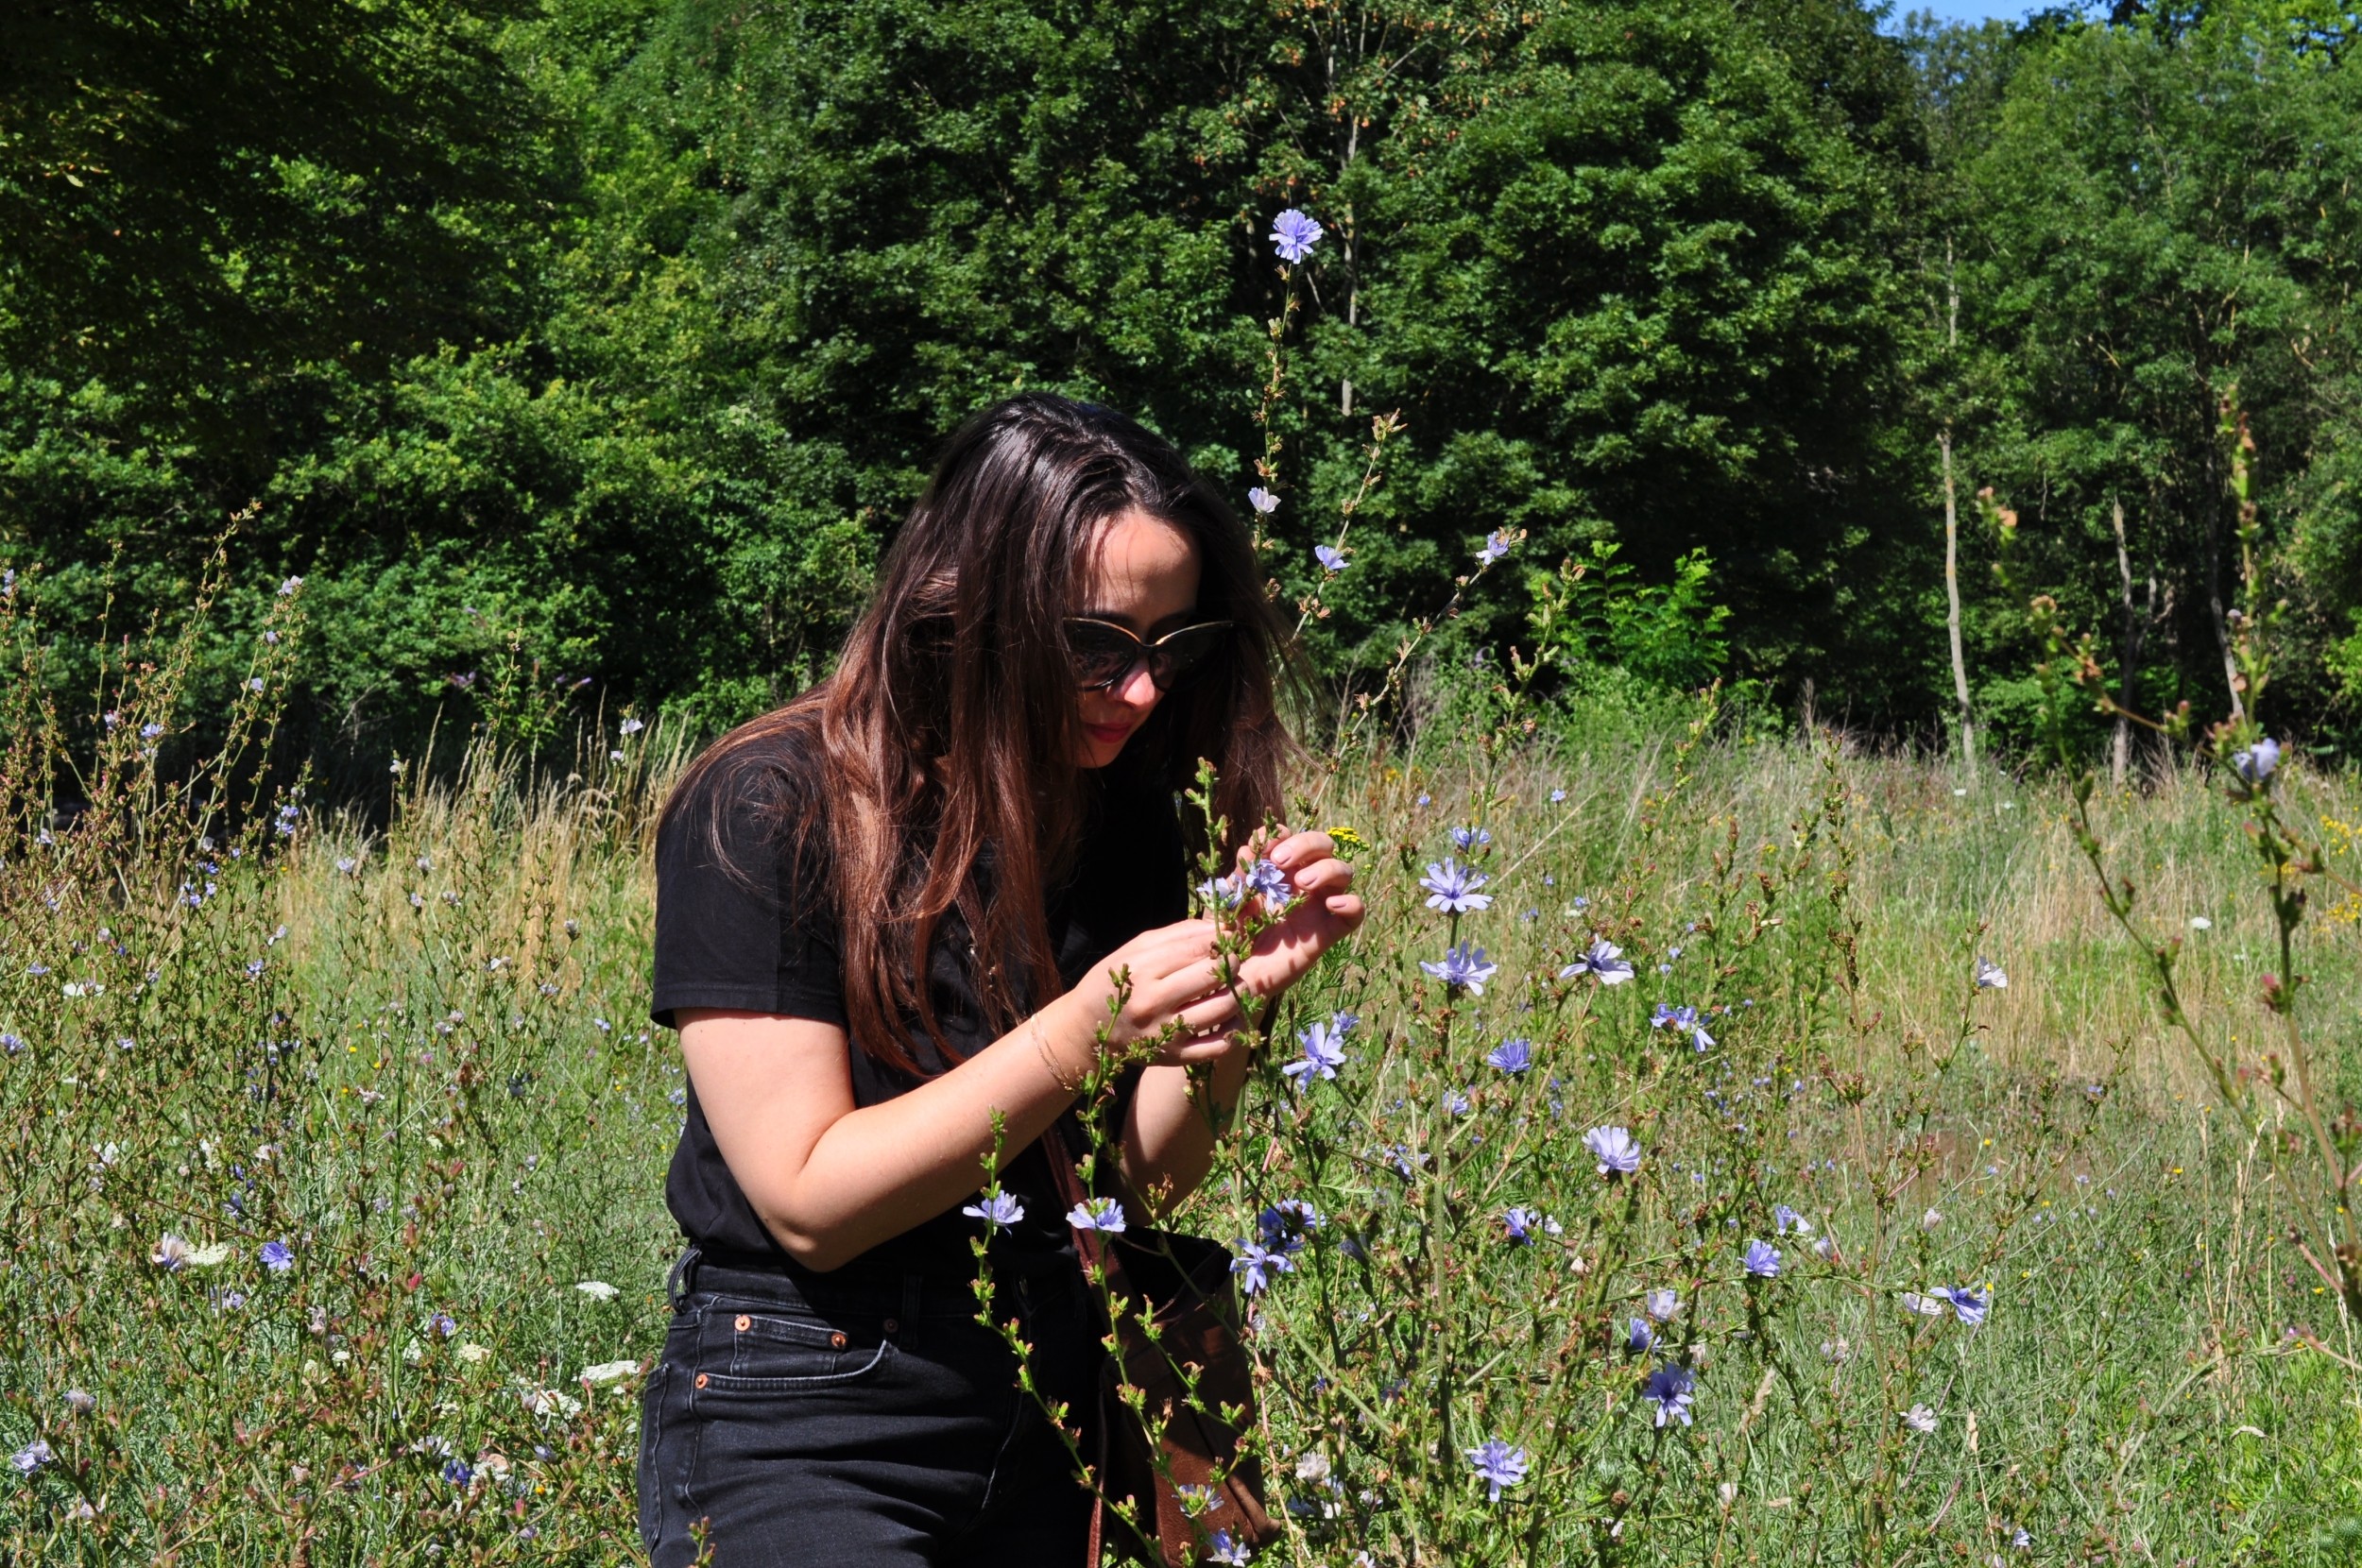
(333, 1158)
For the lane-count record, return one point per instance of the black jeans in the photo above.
(864, 1420)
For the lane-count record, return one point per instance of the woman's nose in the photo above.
(1139, 688)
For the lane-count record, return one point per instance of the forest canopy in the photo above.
(605, 340)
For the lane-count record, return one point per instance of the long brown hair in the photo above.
(934, 765)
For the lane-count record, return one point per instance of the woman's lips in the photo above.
(1108, 735)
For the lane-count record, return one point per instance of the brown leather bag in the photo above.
(1184, 1283)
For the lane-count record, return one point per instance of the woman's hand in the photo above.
(1173, 982)
(1325, 910)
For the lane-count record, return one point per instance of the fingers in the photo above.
(1327, 874)
(1190, 1053)
(1214, 1018)
(1295, 850)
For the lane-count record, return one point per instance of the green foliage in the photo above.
(629, 326)
(1669, 634)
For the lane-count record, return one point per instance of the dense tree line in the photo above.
(603, 340)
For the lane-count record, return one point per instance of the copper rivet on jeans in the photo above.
(837, 1340)
(891, 1327)
(744, 1322)
(701, 1380)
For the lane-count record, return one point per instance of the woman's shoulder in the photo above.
(750, 798)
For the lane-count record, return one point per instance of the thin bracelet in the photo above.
(1041, 1048)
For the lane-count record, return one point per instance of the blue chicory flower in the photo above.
(1471, 838)
(2258, 762)
(1499, 1466)
(1267, 882)
(1511, 1056)
(1784, 1219)
(1229, 1551)
(1603, 961)
(1520, 1223)
(1763, 1260)
(1661, 1303)
(998, 1208)
(1641, 1339)
(1463, 968)
(1331, 560)
(1971, 1304)
(1284, 1225)
(1496, 546)
(1223, 893)
(1671, 1388)
(31, 1457)
(1256, 1266)
(277, 1257)
(1106, 1215)
(458, 1472)
(1453, 887)
(1324, 1049)
(1264, 503)
(1294, 234)
(1614, 1148)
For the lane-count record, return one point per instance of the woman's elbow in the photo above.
(820, 1249)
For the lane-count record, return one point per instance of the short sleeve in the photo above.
(740, 924)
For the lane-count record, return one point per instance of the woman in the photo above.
(894, 910)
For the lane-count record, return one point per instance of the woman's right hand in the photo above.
(1173, 982)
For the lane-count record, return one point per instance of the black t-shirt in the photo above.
(772, 947)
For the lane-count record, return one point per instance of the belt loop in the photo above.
(911, 1301)
(684, 1279)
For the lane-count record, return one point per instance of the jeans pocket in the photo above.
(652, 1466)
(773, 1353)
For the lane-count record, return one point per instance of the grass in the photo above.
(439, 1089)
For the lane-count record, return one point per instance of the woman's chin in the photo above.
(1103, 746)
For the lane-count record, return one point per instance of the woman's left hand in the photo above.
(1325, 908)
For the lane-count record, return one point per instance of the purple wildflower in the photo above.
(1763, 1260)
(1324, 1049)
(1294, 234)
(1267, 882)
(1106, 1216)
(1499, 1466)
(1614, 1148)
(1331, 561)
(998, 1209)
(1463, 968)
(1671, 1388)
(1971, 1304)
(277, 1256)
(1453, 887)
(1603, 962)
(1511, 1056)
(1255, 1265)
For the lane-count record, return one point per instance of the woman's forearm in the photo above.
(1173, 1125)
(874, 1172)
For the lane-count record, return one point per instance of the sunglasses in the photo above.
(1104, 653)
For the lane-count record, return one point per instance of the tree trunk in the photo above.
(2214, 586)
(2121, 755)
(1952, 603)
